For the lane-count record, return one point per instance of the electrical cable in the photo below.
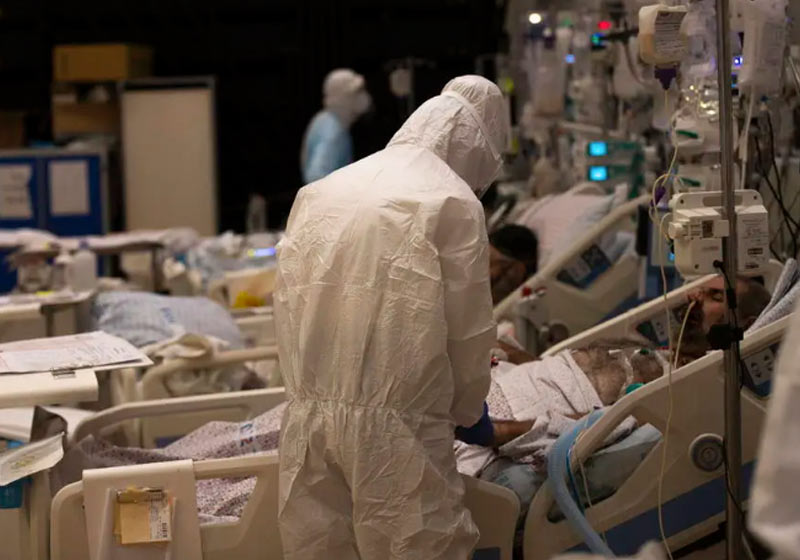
(779, 179)
(789, 222)
(772, 150)
(672, 365)
(743, 145)
(652, 213)
(777, 194)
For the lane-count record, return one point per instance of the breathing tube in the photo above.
(558, 468)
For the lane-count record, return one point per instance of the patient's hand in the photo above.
(506, 430)
(515, 355)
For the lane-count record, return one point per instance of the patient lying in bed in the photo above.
(530, 405)
(535, 395)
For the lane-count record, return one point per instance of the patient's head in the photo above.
(512, 259)
(710, 308)
(711, 303)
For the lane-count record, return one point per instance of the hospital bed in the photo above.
(131, 386)
(628, 514)
(220, 267)
(544, 303)
(25, 316)
(693, 488)
(135, 246)
(255, 535)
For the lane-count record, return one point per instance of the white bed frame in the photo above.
(578, 309)
(628, 515)
(130, 386)
(255, 536)
(696, 414)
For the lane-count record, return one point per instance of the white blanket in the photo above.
(784, 296)
(547, 391)
(197, 382)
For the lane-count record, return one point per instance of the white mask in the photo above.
(362, 102)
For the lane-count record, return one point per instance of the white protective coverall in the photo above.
(384, 303)
(775, 501)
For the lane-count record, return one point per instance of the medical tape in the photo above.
(471, 110)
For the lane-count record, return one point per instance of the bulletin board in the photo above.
(60, 191)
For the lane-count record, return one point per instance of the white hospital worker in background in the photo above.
(327, 144)
(775, 501)
(385, 308)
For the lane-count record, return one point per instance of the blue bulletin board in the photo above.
(61, 191)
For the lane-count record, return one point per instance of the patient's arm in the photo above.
(507, 430)
(515, 355)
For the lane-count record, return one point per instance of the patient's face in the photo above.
(710, 303)
(506, 274)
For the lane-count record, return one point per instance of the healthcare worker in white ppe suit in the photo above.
(775, 501)
(327, 144)
(385, 308)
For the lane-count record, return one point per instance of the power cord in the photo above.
(789, 221)
(672, 365)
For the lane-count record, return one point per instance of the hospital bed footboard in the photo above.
(179, 415)
(255, 535)
(132, 386)
(693, 493)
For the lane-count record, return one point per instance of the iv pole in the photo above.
(733, 404)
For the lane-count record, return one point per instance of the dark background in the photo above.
(269, 57)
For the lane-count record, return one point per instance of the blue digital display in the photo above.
(598, 149)
(598, 173)
(570, 58)
(260, 253)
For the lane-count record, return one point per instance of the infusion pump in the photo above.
(698, 224)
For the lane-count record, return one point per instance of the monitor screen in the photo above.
(598, 173)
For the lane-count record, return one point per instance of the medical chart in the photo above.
(97, 350)
(15, 200)
(69, 188)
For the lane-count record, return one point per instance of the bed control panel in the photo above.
(655, 329)
(758, 368)
(584, 270)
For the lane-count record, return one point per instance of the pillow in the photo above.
(559, 220)
(143, 318)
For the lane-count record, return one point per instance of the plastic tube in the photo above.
(557, 465)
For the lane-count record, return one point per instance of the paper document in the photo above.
(15, 198)
(30, 458)
(69, 188)
(96, 350)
